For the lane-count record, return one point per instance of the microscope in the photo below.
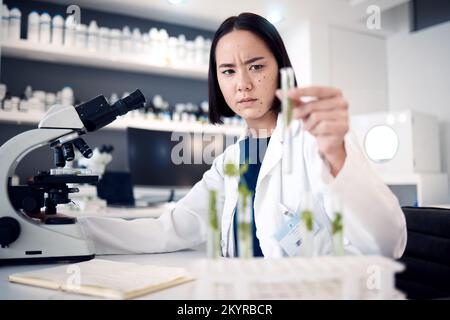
(31, 229)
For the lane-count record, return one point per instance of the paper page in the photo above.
(105, 278)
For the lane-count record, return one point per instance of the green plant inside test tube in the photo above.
(337, 232)
(213, 221)
(244, 227)
(214, 234)
(337, 223)
(307, 217)
(287, 83)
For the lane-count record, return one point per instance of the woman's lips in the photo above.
(247, 102)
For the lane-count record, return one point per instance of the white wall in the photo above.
(359, 68)
(419, 74)
(403, 71)
(353, 61)
(419, 71)
(297, 42)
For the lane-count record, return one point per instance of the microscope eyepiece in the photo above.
(133, 101)
(97, 113)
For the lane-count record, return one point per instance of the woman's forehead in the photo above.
(241, 43)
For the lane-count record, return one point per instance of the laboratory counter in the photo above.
(184, 259)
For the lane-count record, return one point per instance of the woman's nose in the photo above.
(244, 83)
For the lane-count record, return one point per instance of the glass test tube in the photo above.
(307, 221)
(245, 241)
(213, 240)
(337, 227)
(287, 83)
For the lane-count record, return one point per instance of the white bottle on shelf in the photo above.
(67, 97)
(14, 24)
(163, 44)
(92, 37)
(190, 53)
(207, 49)
(44, 28)
(126, 40)
(172, 51)
(146, 46)
(57, 30)
(181, 49)
(204, 106)
(15, 104)
(103, 40)
(37, 101)
(28, 93)
(69, 32)
(5, 23)
(177, 112)
(115, 36)
(136, 44)
(50, 100)
(81, 36)
(33, 27)
(154, 41)
(199, 44)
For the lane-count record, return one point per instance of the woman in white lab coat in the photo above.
(246, 56)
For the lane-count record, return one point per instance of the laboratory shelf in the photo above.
(33, 118)
(24, 49)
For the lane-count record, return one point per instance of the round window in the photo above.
(381, 143)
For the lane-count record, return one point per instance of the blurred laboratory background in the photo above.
(390, 58)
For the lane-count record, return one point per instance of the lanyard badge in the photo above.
(293, 235)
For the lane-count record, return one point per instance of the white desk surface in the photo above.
(14, 291)
(118, 212)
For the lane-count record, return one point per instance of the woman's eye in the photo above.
(256, 66)
(228, 71)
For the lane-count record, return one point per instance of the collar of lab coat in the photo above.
(274, 150)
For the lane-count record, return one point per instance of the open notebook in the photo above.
(103, 278)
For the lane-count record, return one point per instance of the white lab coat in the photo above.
(373, 220)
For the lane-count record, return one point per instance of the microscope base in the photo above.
(45, 260)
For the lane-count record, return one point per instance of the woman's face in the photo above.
(247, 73)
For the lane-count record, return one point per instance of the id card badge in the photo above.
(290, 235)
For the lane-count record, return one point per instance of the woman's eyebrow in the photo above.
(230, 65)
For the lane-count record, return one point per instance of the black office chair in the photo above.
(427, 254)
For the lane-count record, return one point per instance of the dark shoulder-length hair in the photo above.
(262, 28)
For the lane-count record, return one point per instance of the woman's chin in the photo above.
(251, 115)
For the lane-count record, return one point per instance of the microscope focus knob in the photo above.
(9, 231)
